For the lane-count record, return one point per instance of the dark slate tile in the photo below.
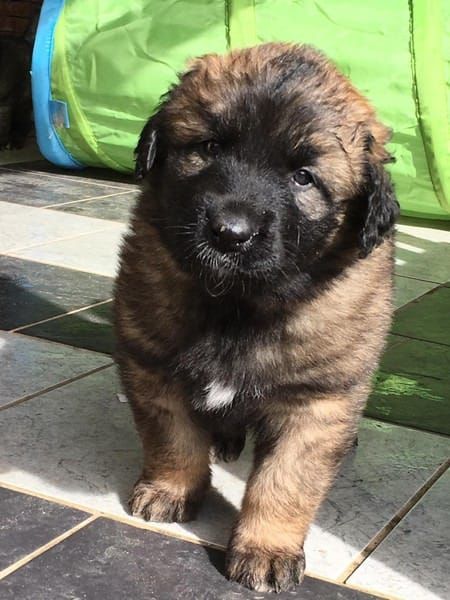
(31, 366)
(107, 559)
(31, 291)
(108, 176)
(90, 329)
(413, 386)
(30, 189)
(427, 318)
(115, 208)
(27, 522)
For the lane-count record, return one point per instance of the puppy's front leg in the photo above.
(176, 449)
(296, 458)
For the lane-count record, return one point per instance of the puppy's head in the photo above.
(263, 164)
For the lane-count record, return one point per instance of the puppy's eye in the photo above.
(211, 148)
(303, 178)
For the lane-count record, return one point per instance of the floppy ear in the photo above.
(381, 209)
(145, 151)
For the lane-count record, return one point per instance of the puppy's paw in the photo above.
(153, 503)
(265, 571)
(228, 448)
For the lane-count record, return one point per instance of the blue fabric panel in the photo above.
(45, 109)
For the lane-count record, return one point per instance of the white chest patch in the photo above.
(218, 395)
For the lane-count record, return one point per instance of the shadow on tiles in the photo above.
(91, 328)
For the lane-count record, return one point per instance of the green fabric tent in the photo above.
(110, 61)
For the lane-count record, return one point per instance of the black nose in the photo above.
(230, 231)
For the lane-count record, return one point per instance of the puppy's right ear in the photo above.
(145, 151)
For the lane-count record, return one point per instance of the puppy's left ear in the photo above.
(145, 151)
(381, 209)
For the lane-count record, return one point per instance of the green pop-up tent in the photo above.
(100, 66)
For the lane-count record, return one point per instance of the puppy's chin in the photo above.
(231, 273)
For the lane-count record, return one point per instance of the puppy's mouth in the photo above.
(238, 270)
(218, 272)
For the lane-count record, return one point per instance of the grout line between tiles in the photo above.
(419, 297)
(83, 180)
(432, 281)
(113, 225)
(55, 386)
(59, 316)
(393, 343)
(436, 283)
(384, 532)
(410, 337)
(59, 204)
(140, 524)
(54, 499)
(39, 551)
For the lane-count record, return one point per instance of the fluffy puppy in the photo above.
(254, 292)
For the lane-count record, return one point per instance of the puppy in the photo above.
(254, 292)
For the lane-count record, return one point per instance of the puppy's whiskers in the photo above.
(215, 285)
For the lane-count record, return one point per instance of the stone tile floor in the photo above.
(69, 452)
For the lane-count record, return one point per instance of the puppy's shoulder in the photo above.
(359, 297)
